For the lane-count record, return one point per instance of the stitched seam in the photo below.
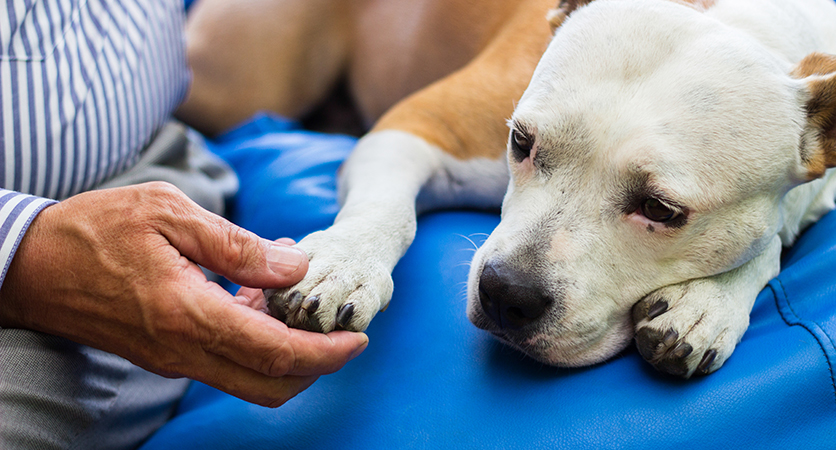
(799, 322)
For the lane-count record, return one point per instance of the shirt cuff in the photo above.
(16, 213)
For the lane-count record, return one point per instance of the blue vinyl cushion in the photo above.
(429, 379)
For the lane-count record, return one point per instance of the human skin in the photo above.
(117, 269)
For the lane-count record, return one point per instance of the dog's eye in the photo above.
(521, 145)
(657, 211)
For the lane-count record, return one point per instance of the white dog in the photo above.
(661, 155)
(651, 158)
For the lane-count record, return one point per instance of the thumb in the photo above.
(233, 252)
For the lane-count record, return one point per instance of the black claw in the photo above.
(311, 304)
(670, 338)
(344, 314)
(707, 359)
(681, 350)
(294, 301)
(657, 309)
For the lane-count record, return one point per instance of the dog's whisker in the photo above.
(468, 240)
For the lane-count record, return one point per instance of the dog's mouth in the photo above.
(556, 344)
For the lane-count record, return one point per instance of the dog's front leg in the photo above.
(693, 327)
(349, 276)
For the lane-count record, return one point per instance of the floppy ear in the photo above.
(818, 146)
(564, 8)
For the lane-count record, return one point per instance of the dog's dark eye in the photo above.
(521, 145)
(657, 211)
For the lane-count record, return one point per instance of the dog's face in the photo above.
(652, 146)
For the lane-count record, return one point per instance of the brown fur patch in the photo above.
(819, 70)
(465, 112)
(701, 5)
(815, 64)
(564, 8)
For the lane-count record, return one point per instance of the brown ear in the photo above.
(564, 8)
(818, 152)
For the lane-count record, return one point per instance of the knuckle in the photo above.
(281, 362)
(238, 252)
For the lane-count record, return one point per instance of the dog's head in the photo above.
(652, 146)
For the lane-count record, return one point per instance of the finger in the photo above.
(228, 250)
(253, 298)
(247, 384)
(266, 345)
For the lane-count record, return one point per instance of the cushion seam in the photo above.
(785, 309)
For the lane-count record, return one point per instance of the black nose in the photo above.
(509, 297)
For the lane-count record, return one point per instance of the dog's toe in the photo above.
(344, 315)
(343, 289)
(684, 329)
(664, 350)
(707, 362)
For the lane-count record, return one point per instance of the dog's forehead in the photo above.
(614, 47)
(645, 80)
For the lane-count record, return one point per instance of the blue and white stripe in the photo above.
(84, 85)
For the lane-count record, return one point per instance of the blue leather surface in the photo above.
(429, 379)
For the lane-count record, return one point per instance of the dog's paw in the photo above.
(346, 285)
(689, 328)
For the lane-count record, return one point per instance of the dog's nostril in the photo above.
(507, 297)
(517, 318)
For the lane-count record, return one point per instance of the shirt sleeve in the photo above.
(16, 213)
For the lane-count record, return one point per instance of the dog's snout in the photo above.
(510, 298)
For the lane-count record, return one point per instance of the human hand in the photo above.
(117, 269)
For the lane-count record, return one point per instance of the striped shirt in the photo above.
(84, 85)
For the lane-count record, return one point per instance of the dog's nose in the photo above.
(509, 297)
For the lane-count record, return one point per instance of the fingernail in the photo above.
(359, 350)
(284, 260)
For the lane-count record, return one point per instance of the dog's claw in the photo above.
(648, 311)
(344, 314)
(664, 351)
(682, 350)
(657, 309)
(311, 304)
(652, 344)
(670, 338)
(294, 301)
(707, 360)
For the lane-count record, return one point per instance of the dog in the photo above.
(660, 155)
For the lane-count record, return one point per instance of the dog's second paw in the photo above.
(689, 328)
(346, 285)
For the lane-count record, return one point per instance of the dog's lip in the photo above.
(566, 352)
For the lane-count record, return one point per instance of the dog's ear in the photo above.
(818, 144)
(557, 15)
(700, 5)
